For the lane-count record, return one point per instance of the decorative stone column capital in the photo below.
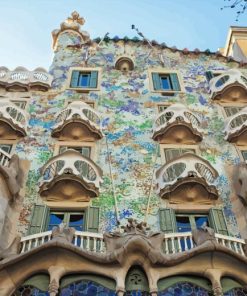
(120, 291)
(53, 288)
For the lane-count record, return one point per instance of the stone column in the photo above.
(56, 272)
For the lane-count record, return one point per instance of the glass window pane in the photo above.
(200, 221)
(84, 79)
(244, 153)
(165, 82)
(76, 221)
(55, 220)
(183, 223)
(6, 147)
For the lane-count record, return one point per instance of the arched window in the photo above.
(36, 285)
(124, 64)
(91, 285)
(232, 288)
(184, 285)
(136, 282)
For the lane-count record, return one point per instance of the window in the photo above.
(83, 150)
(232, 110)
(186, 223)
(43, 218)
(244, 154)
(70, 219)
(166, 82)
(84, 79)
(6, 147)
(211, 74)
(172, 153)
(20, 104)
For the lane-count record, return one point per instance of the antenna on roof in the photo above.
(102, 39)
(133, 27)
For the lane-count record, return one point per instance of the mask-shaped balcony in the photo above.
(21, 79)
(70, 176)
(231, 86)
(77, 122)
(13, 121)
(236, 128)
(187, 179)
(177, 124)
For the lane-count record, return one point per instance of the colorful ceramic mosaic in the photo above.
(184, 289)
(86, 288)
(128, 109)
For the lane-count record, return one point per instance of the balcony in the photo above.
(172, 242)
(236, 128)
(13, 121)
(231, 86)
(177, 124)
(21, 79)
(187, 179)
(68, 177)
(77, 122)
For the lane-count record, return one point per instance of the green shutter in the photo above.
(74, 78)
(38, 219)
(93, 219)
(209, 75)
(217, 221)
(167, 220)
(156, 81)
(93, 79)
(175, 82)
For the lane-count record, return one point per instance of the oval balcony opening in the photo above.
(236, 128)
(13, 121)
(177, 124)
(68, 177)
(230, 86)
(187, 179)
(78, 122)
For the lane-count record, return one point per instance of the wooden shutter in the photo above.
(74, 78)
(209, 75)
(93, 79)
(38, 219)
(156, 81)
(217, 221)
(167, 220)
(175, 82)
(93, 219)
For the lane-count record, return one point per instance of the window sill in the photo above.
(83, 90)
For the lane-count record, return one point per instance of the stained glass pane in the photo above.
(136, 293)
(236, 292)
(86, 288)
(184, 289)
(29, 291)
(165, 82)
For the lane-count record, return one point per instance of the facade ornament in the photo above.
(53, 288)
(72, 23)
(134, 227)
(63, 233)
(239, 178)
(14, 177)
(12, 249)
(203, 234)
(217, 290)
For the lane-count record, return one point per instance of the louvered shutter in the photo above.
(93, 79)
(38, 219)
(167, 220)
(175, 82)
(93, 219)
(209, 75)
(217, 221)
(156, 81)
(74, 78)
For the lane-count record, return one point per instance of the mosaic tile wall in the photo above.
(128, 110)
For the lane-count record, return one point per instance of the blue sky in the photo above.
(26, 25)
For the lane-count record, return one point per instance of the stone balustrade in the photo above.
(23, 77)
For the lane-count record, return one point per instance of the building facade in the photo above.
(123, 169)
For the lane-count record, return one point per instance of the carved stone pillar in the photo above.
(120, 291)
(215, 276)
(56, 272)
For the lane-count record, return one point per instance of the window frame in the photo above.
(92, 145)
(67, 215)
(176, 146)
(239, 150)
(11, 143)
(192, 218)
(165, 72)
(86, 70)
(22, 100)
